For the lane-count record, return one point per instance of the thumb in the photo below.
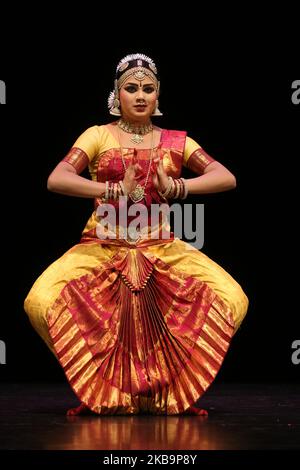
(155, 180)
(160, 168)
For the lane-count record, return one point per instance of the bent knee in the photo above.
(27, 303)
(30, 303)
(239, 306)
(35, 305)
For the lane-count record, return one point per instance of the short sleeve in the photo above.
(84, 149)
(195, 158)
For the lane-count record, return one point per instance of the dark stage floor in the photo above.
(247, 416)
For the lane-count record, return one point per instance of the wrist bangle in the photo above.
(185, 189)
(169, 189)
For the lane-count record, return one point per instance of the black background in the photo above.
(230, 96)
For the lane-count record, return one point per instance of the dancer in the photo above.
(139, 320)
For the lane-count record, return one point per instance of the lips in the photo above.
(140, 109)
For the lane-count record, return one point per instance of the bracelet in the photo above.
(113, 191)
(169, 188)
(176, 189)
(185, 189)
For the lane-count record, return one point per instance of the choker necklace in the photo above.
(138, 193)
(137, 131)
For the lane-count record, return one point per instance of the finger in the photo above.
(155, 180)
(160, 168)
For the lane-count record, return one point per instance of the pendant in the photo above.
(138, 194)
(137, 138)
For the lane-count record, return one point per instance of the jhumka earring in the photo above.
(156, 111)
(115, 111)
(114, 102)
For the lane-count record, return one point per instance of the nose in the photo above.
(140, 95)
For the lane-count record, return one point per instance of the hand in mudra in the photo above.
(160, 177)
(131, 176)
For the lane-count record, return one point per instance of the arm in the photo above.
(213, 176)
(216, 178)
(65, 180)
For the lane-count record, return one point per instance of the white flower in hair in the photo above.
(135, 57)
(111, 99)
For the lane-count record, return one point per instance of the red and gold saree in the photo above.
(137, 325)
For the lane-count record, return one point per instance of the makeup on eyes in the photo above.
(133, 87)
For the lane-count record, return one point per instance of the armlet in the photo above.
(199, 160)
(77, 158)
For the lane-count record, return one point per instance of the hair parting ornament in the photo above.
(139, 66)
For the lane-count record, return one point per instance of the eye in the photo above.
(149, 89)
(130, 89)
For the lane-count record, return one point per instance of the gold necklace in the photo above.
(139, 192)
(137, 131)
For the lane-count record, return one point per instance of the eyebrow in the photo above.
(136, 84)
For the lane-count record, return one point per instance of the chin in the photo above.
(140, 115)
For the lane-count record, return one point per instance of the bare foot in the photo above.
(192, 410)
(82, 409)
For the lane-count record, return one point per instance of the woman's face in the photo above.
(138, 99)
